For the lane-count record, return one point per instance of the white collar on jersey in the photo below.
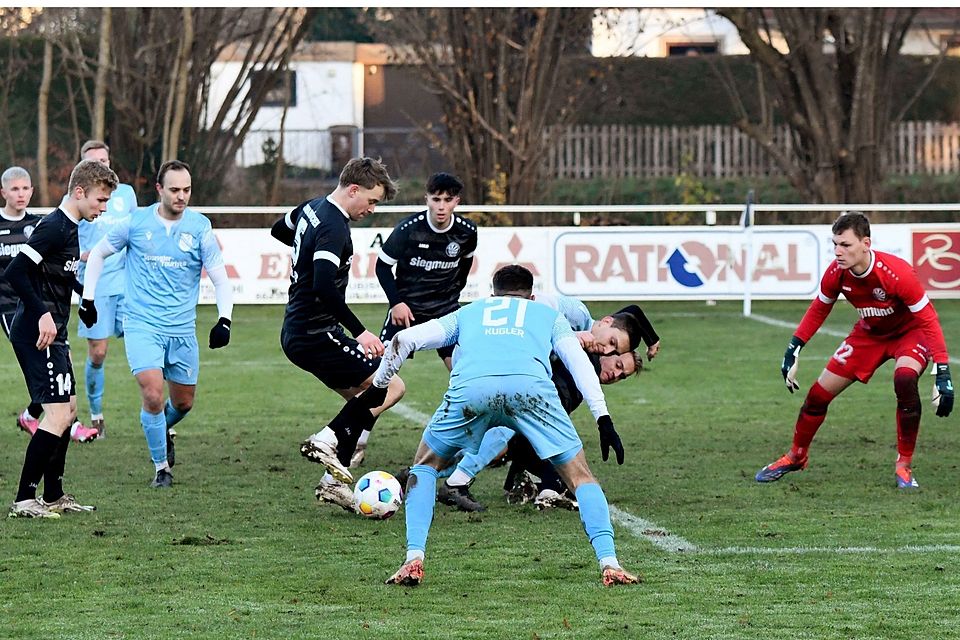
(334, 203)
(873, 261)
(3, 214)
(426, 214)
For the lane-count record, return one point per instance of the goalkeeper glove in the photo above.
(945, 389)
(87, 312)
(373, 397)
(609, 438)
(789, 365)
(220, 334)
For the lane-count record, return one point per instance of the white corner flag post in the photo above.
(747, 221)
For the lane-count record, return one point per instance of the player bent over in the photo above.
(44, 277)
(487, 390)
(897, 321)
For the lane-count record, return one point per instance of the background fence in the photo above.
(615, 151)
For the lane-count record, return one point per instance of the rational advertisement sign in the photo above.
(618, 263)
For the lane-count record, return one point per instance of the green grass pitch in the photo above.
(240, 548)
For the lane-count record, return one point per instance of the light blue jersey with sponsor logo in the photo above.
(164, 261)
(122, 204)
(503, 335)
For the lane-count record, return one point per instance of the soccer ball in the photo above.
(377, 495)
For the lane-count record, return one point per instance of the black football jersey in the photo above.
(428, 261)
(13, 235)
(55, 248)
(321, 232)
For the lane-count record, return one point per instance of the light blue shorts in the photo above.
(523, 403)
(177, 356)
(109, 319)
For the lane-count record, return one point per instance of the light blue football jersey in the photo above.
(122, 204)
(163, 268)
(572, 309)
(504, 335)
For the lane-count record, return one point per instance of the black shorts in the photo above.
(332, 356)
(49, 373)
(389, 330)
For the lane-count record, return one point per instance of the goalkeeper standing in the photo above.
(897, 322)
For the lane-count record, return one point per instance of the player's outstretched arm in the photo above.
(220, 333)
(283, 230)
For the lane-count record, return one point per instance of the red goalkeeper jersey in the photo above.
(888, 297)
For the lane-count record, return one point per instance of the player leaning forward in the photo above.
(168, 246)
(487, 390)
(897, 321)
(44, 275)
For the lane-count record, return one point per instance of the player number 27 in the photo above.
(496, 313)
(843, 352)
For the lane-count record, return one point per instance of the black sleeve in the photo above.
(77, 287)
(647, 332)
(324, 273)
(282, 231)
(17, 274)
(464, 273)
(388, 283)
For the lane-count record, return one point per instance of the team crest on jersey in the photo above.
(149, 235)
(185, 242)
(879, 294)
(453, 249)
(28, 231)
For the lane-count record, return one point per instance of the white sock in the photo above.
(412, 555)
(610, 561)
(325, 435)
(364, 436)
(99, 416)
(161, 465)
(329, 479)
(459, 479)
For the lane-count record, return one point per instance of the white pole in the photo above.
(747, 222)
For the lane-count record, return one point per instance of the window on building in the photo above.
(277, 93)
(679, 49)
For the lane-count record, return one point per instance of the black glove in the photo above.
(220, 334)
(609, 438)
(373, 397)
(945, 388)
(789, 365)
(87, 312)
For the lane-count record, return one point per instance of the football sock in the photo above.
(42, 446)
(155, 429)
(53, 474)
(419, 502)
(812, 414)
(353, 419)
(171, 414)
(35, 409)
(908, 412)
(494, 441)
(595, 515)
(93, 374)
(364, 436)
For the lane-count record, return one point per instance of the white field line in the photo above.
(792, 325)
(655, 534)
(408, 412)
(672, 543)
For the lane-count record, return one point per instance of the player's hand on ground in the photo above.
(370, 345)
(589, 343)
(87, 312)
(653, 350)
(48, 331)
(220, 334)
(609, 438)
(373, 397)
(790, 363)
(401, 315)
(945, 389)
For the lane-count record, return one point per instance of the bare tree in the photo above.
(833, 86)
(498, 75)
(43, 100)
(100, 82)
(162, 80)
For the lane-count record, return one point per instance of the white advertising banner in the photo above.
(618, 263)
